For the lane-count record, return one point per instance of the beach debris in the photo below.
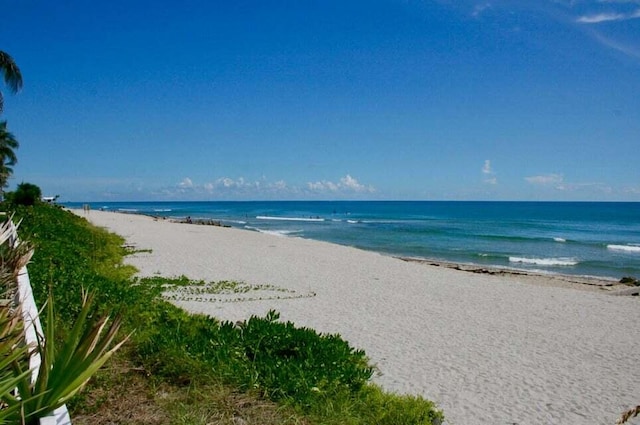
(631, 413)
(630, 280)
(202, 221)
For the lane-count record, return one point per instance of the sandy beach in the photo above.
(488, 348)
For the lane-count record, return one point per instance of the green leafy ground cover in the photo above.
(193, 369)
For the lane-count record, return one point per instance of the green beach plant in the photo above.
(14, 255)
(12, 349)
(291, 362)
(64, 371)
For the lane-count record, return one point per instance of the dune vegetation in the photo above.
(180, 368)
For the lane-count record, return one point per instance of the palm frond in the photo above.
(12, 74)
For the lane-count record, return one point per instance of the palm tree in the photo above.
(12, 75)
(8, 159)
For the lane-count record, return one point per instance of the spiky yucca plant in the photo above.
(12, 349)
(64, 371)
(13, 256)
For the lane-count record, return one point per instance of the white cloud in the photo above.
(608, 17)
(486, 168)
(242, 188)
(322, 186)
(557, 182)
(186, 183)
(353, 184)
(347, 184)
(490, 176)
(225, 182)
(600, 17)
(545, 179)
(280, 184)
(229, 183)
(585, 187)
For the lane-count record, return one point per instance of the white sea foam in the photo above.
(273, 232)
(162, 210)
(352, 221)
(266, 217)
(545, 261)
(559, 239)
(627, 248)
(280, 232)
(128, 210)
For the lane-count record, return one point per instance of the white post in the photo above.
(32, 328)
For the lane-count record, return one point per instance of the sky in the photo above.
(328, 100)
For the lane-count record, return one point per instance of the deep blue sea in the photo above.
(579, 238)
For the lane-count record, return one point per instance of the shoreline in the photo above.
(574, 281)
(487, 348)
(578, 282)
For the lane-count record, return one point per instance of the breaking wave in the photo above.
(267, 217)
(625, 248)
(274, 232)
(545, 261)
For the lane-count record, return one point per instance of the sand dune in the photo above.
(487, 349)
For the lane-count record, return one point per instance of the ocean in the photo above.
(577, 238)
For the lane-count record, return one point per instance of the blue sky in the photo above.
(249, 100)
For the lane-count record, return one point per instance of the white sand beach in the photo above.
(488, 349)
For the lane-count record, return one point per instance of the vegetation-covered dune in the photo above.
(192, 369)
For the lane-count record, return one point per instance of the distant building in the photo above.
(50, 199)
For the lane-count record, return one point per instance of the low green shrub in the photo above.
(373, 406)
(287, 361)
(277, 358)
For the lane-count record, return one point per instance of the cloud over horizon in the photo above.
(347, 184)
(545, 179)
(490, 176)
(558, 183)
(242, 188)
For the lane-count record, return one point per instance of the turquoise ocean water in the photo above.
(579, 238)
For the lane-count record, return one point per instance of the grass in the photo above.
(180, 368)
